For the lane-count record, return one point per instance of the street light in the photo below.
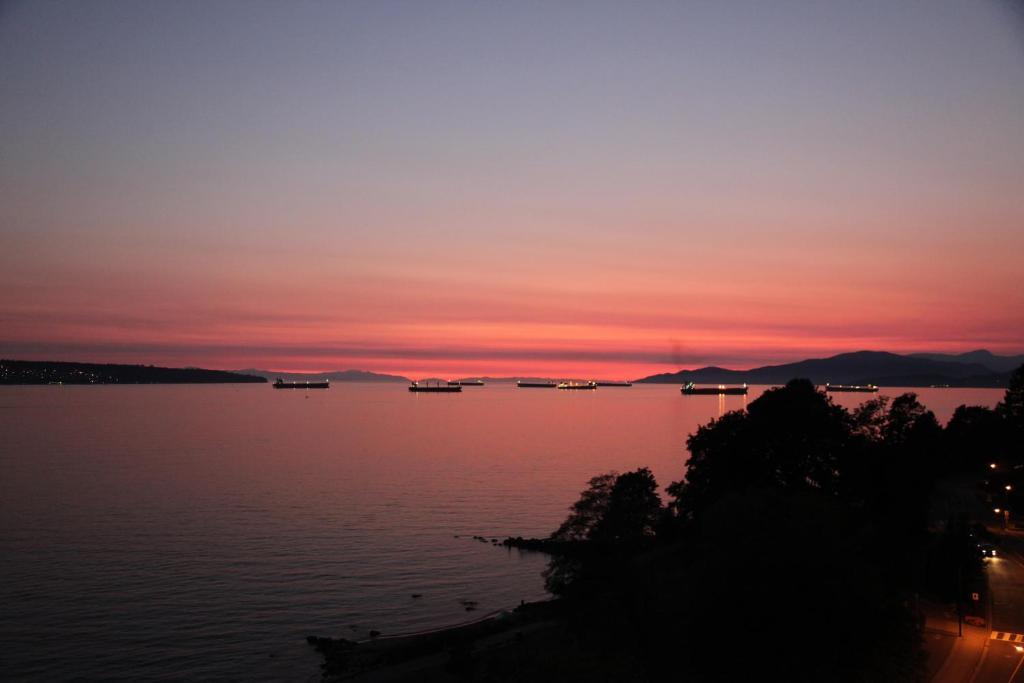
(1006, 513)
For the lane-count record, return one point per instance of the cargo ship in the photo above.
(862, 388)
(536, 385)
(434, 388)
(465, 382)
(691, 389)
(577, 385)
(614, 384)
(319, 384)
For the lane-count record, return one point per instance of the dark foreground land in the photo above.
(534, 642)
(805, 542)
(50, 372)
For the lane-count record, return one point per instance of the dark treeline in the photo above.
(796, 547)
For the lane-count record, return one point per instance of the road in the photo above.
(995, 655)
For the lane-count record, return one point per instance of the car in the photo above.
(987, 549)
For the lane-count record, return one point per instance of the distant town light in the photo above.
(1009, 488)
(993, 465)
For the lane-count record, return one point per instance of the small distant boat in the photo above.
(434, 388)
(319, 384)
(536, 385)
(577, 385)
(691, 389)
(614, 384)
(465, 382)
(863, 388)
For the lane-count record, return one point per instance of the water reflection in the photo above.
(201, 528)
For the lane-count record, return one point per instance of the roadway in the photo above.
(1001, 655)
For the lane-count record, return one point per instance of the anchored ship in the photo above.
(614, 384)
(319, 384)
(691, 389)
(435, 388)
(577, 385)
(465, 382)
(863, 388)
(536, 385)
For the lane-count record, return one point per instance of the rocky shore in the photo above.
(500, 640)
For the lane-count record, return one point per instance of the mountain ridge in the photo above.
(980, 356)
(858, 367)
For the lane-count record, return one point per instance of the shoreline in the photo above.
(436, 653)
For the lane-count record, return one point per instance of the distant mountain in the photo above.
(335, 376)
(861, 367)
(981, 357)
(54, 372)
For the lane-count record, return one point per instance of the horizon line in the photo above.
(512, 375)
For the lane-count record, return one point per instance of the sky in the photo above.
(509, 188)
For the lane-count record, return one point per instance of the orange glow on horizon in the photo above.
(533, 210)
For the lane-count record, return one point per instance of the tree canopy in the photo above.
(798, 535)
(1011, 408)
(791, 514)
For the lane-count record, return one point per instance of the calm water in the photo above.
(203, 531)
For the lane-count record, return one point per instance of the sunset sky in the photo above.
(565, 188)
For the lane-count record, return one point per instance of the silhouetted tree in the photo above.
(1012, 405)
(632, 512)
(869, 419)
(791, 437)
(613, 519)
(909, 422)
(792, 516)
(587, 512)
(1011, 410)
(901, 422)
(905, 462)
(974, 437)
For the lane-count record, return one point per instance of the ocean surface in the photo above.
(204, 531)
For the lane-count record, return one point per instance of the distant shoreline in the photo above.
(25, 372)
(973, 370)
